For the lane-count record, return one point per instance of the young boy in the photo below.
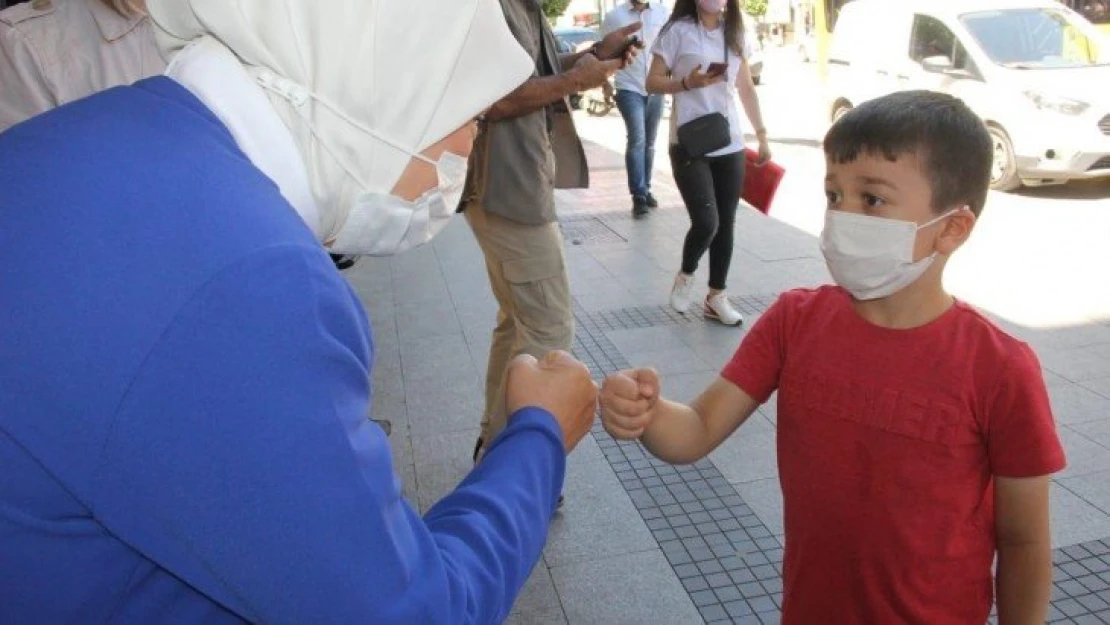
(915, 438)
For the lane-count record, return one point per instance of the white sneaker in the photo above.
(718, 307)
(682, 295)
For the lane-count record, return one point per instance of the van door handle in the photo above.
(882, 72)
(903, 77)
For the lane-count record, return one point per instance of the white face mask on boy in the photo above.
(872, 257)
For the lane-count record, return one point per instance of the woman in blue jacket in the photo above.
(184, 374)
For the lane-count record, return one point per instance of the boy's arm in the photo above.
(1024, 583)
(1024, 450)
(632, 405)
(681, 434)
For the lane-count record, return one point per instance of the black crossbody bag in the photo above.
(707, 133)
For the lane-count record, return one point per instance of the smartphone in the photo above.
(633, 42)
(716, 69)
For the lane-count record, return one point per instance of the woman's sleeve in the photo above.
(243, 461)
(666, 46)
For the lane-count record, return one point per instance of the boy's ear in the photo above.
(957, 229)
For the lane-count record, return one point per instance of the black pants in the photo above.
(710, 187)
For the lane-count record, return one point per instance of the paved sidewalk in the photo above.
(640, 541)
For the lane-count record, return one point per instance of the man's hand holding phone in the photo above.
(620, 44)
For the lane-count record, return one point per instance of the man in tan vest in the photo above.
(527, 147)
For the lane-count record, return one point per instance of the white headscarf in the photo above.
(362, 84)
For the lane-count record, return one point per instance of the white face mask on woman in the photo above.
(383, 224)
(872, 257)
(379, 223)
(366, 102)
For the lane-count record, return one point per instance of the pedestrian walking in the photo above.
(701, 57)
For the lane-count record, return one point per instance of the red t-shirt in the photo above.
(887, 444)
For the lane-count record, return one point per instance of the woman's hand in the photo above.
(698, 79)
(764, 150)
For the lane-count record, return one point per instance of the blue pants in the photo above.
(641, 115)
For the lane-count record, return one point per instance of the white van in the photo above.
(1035, 71)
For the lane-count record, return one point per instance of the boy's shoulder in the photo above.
(989, 342)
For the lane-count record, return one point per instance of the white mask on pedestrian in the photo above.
(364, 88)
(872, 257)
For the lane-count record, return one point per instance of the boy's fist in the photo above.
(628, 399)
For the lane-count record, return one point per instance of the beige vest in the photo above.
(57, 51)
(517, 163)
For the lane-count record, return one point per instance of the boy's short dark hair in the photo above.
(950, 140)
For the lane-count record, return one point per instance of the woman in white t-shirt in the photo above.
(696, 36)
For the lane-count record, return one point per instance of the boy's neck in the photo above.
(914, 306)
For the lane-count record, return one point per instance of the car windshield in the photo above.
(1036, 38)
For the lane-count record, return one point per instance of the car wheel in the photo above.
(840, 110)
(1004, 174)
(756, 79)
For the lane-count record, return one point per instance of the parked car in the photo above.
(575, 38)
(1032, 69)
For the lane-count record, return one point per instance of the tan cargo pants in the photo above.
(528, 276)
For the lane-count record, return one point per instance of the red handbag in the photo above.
(761, 182)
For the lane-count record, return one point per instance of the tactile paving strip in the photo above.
(1081, 583)
(726, 558)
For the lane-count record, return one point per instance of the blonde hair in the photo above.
(126, 8)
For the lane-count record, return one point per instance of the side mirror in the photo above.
(937, 64)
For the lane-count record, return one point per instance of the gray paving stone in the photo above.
(747, 456)
(1097, 431)
(1047, 339)
(713, 613)
(611, 296)
(1099, 385)
(1084, 455)
(539, 597)
(1093, 488)
(1094, 603)
(1075, 404)
(421, 321)
(599, 591)
(765, 498)
(1074, 520)
(1076, 364)
(598, 520)
(456, 405)
(427, 362)
(544, 617)
(672, 361)
(430, 288)
(646, 339)
(441, 460)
